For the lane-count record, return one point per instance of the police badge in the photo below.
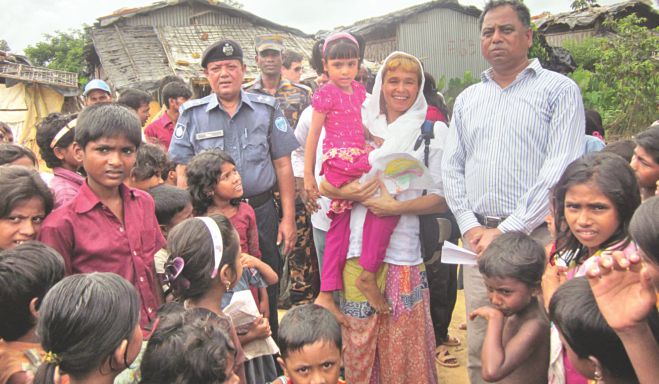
(227, 49)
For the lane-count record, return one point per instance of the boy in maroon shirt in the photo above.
(109, 227)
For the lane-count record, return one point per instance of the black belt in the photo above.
(260, 199)
(489, 221)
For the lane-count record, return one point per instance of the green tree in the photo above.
(4, 46)
(623, 81)
(578, 5)
(63, 51)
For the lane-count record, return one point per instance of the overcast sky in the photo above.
(24, 22)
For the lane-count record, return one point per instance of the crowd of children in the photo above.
(110, 268)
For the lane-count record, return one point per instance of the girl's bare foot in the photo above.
(367, 285)
(326, 300)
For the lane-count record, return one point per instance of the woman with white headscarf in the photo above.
(398, 347)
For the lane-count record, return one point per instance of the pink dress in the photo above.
(345, 154)
(345, 158)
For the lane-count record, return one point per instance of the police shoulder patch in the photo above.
(179, 131)
(281, 123)
(263, 99)
(193, 103)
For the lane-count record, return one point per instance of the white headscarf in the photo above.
(400, 135)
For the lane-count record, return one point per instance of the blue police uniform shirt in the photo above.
(204, 125)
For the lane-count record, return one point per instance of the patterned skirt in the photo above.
(395, 348)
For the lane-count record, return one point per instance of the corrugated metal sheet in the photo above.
(446, 41)
(557, 39)
(181, 15)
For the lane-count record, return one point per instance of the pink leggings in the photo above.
(375, 240)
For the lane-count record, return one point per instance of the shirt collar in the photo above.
(87, 199)
(533, 68)
(213, 102)
(68, 175)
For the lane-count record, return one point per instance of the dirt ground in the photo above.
(457, 375)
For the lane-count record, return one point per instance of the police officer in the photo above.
(296, 286)
(253, 130)
(293, 98)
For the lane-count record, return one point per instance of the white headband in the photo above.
(216, 236)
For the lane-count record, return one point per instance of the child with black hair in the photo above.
(337, 107)
(189, 347)
(516, 344)
(204, 264)
(150, 163)
(173, 205)
(138, 101)
(14, 154)
(594, 201)
(26, 201)
(625, 289)
(27, 272)
(310, 346)
(169, 175)
(593, 347)
(89, 328)
(109, 227)
(216, 188)
(55, 134)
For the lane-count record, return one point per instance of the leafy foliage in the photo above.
(619, 75)
(4, 46)
(63, 51)
(578, 5)
(455, 87)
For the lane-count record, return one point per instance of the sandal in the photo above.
(451, 341)
(444, 358)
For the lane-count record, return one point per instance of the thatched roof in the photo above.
(140, 55)
(391, 20)
(593, 17)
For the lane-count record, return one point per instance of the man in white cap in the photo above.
(97, 91)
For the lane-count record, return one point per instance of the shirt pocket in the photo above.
(255, 148)
(148, 242)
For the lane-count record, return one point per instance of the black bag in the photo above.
(428, 225)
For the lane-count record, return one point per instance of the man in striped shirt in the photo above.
(511, 137)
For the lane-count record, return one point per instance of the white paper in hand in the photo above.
(243, 312)
(452, 254)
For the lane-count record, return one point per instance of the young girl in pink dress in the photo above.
(337, 108)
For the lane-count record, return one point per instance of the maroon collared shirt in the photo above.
(92, 239)
(160, 131)
(65, 185)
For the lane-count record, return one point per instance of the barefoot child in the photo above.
(89, 328)
(310, 345)
(216, 188)
(27, 272)
(337, 108)
(516, 345)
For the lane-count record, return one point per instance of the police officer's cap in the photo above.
(226, 49)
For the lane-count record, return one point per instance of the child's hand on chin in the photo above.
(486, 313)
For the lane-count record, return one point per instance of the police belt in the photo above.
(489, 221)
(260, 199)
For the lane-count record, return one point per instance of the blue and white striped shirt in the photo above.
(507, 147)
